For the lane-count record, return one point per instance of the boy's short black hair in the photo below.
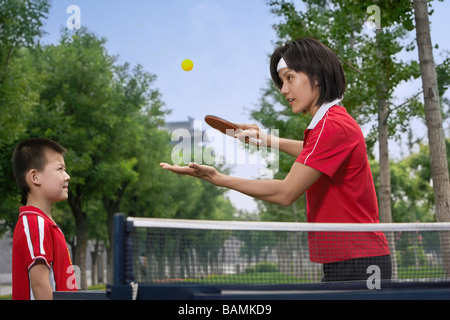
(30, 154)
(317, 61)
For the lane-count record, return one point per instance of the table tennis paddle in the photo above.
(226, 127)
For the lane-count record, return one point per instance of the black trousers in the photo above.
(357, 269)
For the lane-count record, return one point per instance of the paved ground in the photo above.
(5, 290)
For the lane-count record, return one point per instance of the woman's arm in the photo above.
(289, 146)
(283, 192)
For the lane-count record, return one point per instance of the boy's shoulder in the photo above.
(33, 211)
(36, 233)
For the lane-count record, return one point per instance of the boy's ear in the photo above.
(33, 177)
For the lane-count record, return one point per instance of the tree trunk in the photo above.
(384, 190)
(383, 145)
(111, 210)
(112, 207)
(110, 251)
(433, 118)
(385, 173)
(80, 247)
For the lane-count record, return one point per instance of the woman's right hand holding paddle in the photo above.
(289, 146)
(252, 134)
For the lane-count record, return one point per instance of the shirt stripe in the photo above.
(318, 138)
(52, 279)
(26, 229)
(41, 234)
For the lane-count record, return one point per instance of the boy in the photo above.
(41, 263)
(331, 163)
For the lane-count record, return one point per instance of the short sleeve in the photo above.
(326, 148)
(37, 240)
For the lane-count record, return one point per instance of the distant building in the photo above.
(196, 134)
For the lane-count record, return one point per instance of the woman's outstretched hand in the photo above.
(207, 173)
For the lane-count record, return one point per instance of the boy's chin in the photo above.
(62, 198)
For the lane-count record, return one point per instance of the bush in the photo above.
(411, 255)
(262, 267)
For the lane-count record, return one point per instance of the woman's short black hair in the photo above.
(317, 61)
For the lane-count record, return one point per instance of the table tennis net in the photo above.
(268, 253)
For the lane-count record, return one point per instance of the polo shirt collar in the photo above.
(321, 112)
(37, 211)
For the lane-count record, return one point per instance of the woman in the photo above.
(331, 163)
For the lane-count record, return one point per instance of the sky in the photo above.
(229, 42)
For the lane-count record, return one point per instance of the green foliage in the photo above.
(262, 267)
(372, 67)
(369, 59)
(259, 278)
(20, 27)
(412, 196)
(413, 256)
(109, 117)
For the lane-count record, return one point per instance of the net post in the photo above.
(118, 249)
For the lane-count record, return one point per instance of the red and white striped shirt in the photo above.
(37, 237)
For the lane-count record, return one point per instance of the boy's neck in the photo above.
(44, 206)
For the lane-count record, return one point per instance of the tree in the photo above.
(421, 197)
(371, 70)
(136, 140)
(87, 108)
(109, 117)
(433, 117)
(74, 110)
(433, 113)
(20, 27)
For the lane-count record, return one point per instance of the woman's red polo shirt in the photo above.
(334, 145)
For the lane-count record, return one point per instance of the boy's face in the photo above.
(54, 179)
(297, 89)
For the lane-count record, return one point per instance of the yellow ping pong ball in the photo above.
(187, 65)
